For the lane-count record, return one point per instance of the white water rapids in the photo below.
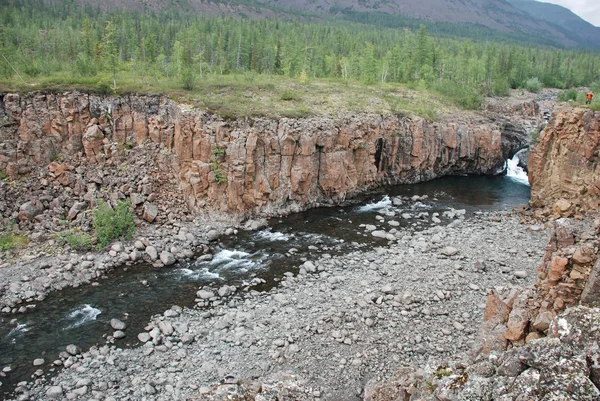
(516, 173)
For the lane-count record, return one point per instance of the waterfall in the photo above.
(515, 172)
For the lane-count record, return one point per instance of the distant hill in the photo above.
(498, 16)
(497, 20)
(567, 21)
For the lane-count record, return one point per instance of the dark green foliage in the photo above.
(570, 95)
(464, 96)
(113, 223)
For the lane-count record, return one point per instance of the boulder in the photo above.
(92, 142)
(167, 258)
(75, 209)
(29, 210)
(150, 212)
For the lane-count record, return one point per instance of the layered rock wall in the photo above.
(565, 162)
(248, 166)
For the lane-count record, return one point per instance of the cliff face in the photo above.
(248, 166)
(565, 162)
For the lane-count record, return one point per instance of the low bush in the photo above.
(533, 85)
(565, 96)
(113, 223)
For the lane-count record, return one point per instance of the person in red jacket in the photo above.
(590, 96)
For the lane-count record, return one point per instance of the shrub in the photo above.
(565, 96)
(111, 224)
(501, 87)
(188, 79)
(76, 239)
(288, 95)
(463, 95)
(11, 241)
(533, 85)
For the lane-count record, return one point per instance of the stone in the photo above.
(520, 274)
(212, 235)
(54, 392)
(449, 251)
(591, 292)
(118, 334)
(583, 256)
(144, 337)
(167, 258)
(562, 207)
(152, 252)
(29, 210)
(117, 324)
(150, 212)
(75, 209)
(543, 320)
(139, 245)
(458, 326)
(92, 143)
(203, 294)
(166, 328)
(38, 362)
(73, 349)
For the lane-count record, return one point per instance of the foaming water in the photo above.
(515, 172)
(227, 259)
(199, 274)
(81, 316)
(383, 203)
(20, 329)
(273, 235)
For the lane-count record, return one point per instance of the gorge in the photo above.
(342, 303)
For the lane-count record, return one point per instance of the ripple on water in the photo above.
(273, 236)
(81, 315)
(383, 203)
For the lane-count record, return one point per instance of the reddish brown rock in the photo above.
(264, 165)
(564, 162)
(92, 142)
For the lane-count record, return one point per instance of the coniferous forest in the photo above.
(69, 43)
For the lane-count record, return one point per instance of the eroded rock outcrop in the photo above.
(249, 166)
(565, 162)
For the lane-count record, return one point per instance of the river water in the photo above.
(81, 315)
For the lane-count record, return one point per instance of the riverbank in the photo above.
(341, 322)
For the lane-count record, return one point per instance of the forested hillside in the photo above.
(67, 44)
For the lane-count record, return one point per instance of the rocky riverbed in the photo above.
(340, 322)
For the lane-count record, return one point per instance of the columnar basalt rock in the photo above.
(565, 162)
(248, 166)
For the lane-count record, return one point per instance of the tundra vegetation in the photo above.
(243, 67)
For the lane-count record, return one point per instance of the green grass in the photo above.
(76, 239)
(11, 241)
(256, 95)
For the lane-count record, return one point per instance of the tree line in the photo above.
(69, 40)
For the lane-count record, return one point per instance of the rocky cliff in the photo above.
(244, 166)
(565, 162)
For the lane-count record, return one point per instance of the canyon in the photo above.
(370, 324)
